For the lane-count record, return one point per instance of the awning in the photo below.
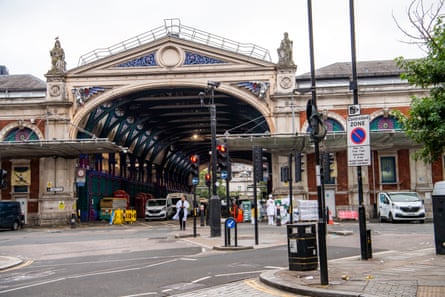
(71, 148)
(391, 139)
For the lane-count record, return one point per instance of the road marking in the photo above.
(201, 279)
(87, 275)
(239, 273)
(141, 294)
(24, 264)
(253, 283)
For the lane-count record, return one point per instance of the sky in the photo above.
(28, 27)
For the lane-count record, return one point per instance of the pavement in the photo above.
(412, 273)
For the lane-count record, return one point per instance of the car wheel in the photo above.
(390, 218)
(422, 221)
(15, 226)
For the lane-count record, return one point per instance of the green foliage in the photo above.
(426, 119)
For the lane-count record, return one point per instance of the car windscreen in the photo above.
(156, 202)
(404, 197)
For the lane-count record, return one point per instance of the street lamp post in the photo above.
(315, 122)
(365, 254)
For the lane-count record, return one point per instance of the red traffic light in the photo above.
(221, 148)
(194, 159)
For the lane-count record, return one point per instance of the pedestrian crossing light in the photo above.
(194, 160)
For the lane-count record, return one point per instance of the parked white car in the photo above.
(400, 206)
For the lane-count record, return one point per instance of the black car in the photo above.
(11, 215)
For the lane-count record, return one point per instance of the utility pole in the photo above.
(214, 202)
(354, 87)
(315, 123)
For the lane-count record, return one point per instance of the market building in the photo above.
(128, 117)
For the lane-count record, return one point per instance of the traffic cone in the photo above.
(331, 220)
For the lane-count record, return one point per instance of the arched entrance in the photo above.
(153, 102)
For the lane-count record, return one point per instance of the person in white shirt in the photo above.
(270, 205)
(182, 212)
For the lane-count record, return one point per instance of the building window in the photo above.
(382, 123)
(388, 169)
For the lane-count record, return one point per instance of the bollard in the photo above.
(278, 216)
(202, 215)
(73, 221)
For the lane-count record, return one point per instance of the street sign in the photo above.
(359, 152)
(354, 110)
(230, 223)
(224, 174)
(55, 189)
(195, 180)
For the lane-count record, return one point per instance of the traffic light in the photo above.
(258, 163)
(328, 166)
(194, 159)
(3, 182)
(299, 166)
(222, 157)
(316, 124)
(208, 178)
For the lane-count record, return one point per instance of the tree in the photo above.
(425, 123)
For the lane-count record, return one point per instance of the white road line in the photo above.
(201, 279)
(85, 275)
(239, 273)
(141, 294)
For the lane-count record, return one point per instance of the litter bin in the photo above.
(438, 198)
(302, 247)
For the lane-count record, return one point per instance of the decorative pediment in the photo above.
(143, 61)
(171, 53)
(190, 58)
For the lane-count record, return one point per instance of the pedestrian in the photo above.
(202, 214)
(182, 212)
(270, 205)
(253, 214)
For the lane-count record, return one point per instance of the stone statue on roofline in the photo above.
(285, 52)
(58, 64)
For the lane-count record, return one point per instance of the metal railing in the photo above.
(174, 28)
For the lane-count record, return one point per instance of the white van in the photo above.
(159, 208)
(400, 206)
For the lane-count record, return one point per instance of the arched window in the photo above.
(332, 125)
(21, 134)
(385, 123)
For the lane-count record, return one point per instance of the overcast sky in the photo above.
(28, 27)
